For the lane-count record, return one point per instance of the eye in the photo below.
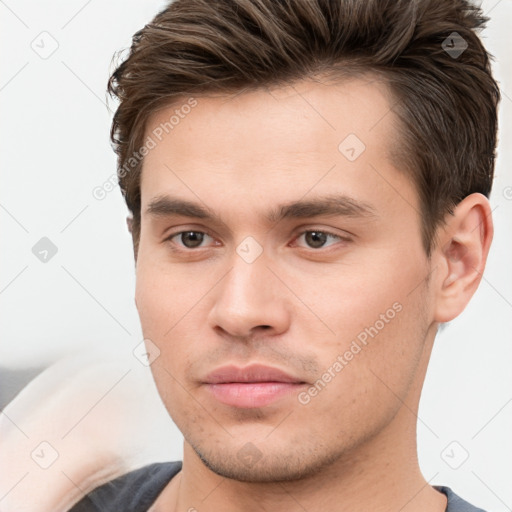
(189, 239)
(316, 239)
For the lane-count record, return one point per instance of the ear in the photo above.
(461, 252)
(129, 222)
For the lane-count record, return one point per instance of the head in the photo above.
(307, 182)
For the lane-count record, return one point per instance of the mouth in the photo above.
(252, 386)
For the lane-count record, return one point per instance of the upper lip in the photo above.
(252, 373)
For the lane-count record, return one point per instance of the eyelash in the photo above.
(323, 231)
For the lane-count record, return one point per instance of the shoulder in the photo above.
(456, 503)
(132, 492)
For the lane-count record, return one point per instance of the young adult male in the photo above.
(308, 184)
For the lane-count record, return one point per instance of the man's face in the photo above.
(335, 300)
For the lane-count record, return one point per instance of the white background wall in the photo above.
(54, 136)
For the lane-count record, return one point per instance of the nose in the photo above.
(250, 298)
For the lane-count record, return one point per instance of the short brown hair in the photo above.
(428, 51)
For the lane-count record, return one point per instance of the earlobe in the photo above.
(463, 247)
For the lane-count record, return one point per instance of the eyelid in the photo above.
(172, 235)
(303, 230)
(340, 237)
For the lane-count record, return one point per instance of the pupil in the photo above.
(195, 237)
(316, 238)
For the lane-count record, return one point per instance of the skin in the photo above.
(297, 307)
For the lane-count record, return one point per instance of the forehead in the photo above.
(306, 114)
(274, 144)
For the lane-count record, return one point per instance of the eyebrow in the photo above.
(330, 205)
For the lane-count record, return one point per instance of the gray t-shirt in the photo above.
(137, 490)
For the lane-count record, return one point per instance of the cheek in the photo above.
(169, 301)
(366, 377)
(350, 297)
(160, 295)
(150, 301)
(378, 322)
(162, 306)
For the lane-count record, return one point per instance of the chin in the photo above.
(263, 464)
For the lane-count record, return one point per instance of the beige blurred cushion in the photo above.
(83, 421)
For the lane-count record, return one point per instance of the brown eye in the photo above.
(318, 239)
(315, 239)
(190, 239)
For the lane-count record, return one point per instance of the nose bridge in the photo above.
(248, 296)
(247, 285)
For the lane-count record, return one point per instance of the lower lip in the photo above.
(252, 394)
